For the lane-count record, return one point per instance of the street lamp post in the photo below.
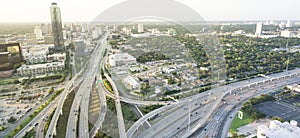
(189, 115)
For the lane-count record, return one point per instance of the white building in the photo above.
(97, 32)
(128, 32)
(259, 28)
(171, 32)
(3, 40)
(38, 32)
(56, 57)
(121, 59)
(154, 31)
(140, 28)
(289, 23)
(294, 87)
(279, 130)
(39, 54)
(64, 34)
(239, 32)
(147, 35)
(131, 83)
(286, 33)
(35, 54)
(282, 25)
(83, 28)
(40, 69)
(168, 70)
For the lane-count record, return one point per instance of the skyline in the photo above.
(74, 11)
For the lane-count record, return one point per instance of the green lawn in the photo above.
(7, 81)
(236, 123)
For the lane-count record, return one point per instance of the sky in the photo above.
(87, 10)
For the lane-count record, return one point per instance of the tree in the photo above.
(1, 128)
(11, 120)
(278, 118)
(72, 46)
(16, 81)
(171, 81)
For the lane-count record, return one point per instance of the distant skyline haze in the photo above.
(210, 10)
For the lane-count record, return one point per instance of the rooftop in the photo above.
(277, 129)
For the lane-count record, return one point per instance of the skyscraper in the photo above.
(38, 32)
(57, 27)
(140, 28)
(289, 23)
(259, 28)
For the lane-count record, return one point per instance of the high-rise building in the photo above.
(46, 29)
(289, 23)
(96, 32)
(84, 28)
(259, 28)
(57, 27)
(38, 32)
(140, 28)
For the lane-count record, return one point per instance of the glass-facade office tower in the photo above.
(57, 27)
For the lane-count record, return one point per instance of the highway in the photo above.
(224, 122)
(38, 118)
(175, 119)
(270, 83)
(81, 100)
(14, 125)
(101, 95)
(185, 114)
(52, 127)
(84, 105)
(223, 90)
(153, 113)
(39, 133)
(102, 114)
(121, 125)
(137, 102)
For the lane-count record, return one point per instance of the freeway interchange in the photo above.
(204, 114)
(171, 125)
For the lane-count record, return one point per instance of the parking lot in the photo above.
(280, 109)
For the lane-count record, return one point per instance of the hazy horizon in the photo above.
(214, 10)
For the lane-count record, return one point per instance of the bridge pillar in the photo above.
(54, 132)
(60, 112)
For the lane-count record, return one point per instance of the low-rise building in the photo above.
(168, 70)
(121, 59)
(131, 83)
(286, 33)
(38, 69)
(277, 129)
(56, 57)
(39, 54)
(294, 87)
